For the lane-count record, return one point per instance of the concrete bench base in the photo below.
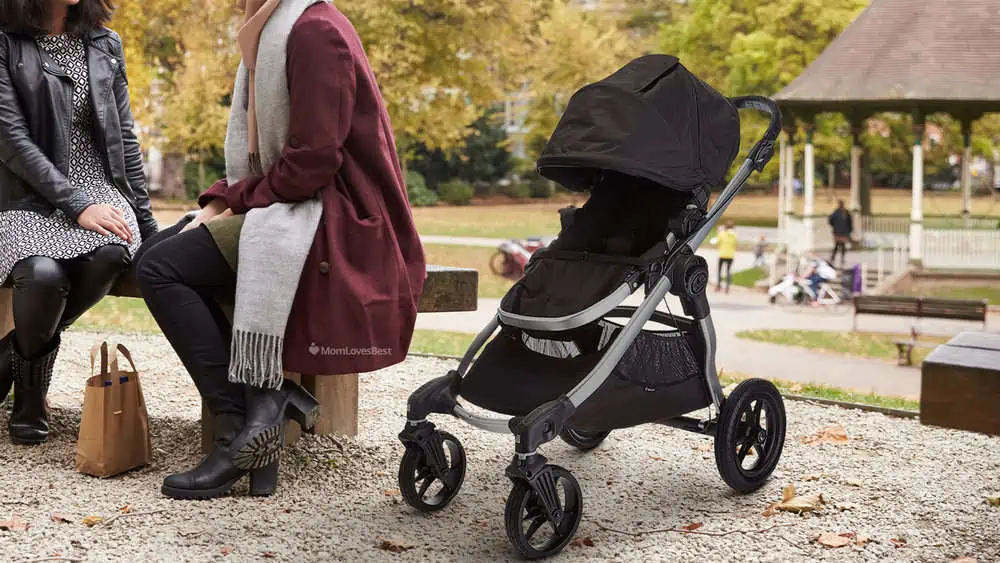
(445, 290)
(905, 349)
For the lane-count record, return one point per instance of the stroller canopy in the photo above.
(652, 119)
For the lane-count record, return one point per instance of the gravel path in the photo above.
(338, 501)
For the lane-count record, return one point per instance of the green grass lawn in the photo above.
(490, 221)
(749, 277)
(990, 293)
(861, 344)
(832, 393)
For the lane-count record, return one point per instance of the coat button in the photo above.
(324, 267)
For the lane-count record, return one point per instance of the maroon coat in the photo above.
(356, 303)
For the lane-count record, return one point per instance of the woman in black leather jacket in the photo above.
(73, 201)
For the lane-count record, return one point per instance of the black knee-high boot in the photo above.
(6, 365)
(29, 419)
(216, 474)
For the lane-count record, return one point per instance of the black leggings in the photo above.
(728, 264)
(183, 276)
(50, 295)
(839, 246)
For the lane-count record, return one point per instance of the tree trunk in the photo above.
(173, 176)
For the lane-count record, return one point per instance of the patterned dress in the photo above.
(25, 233)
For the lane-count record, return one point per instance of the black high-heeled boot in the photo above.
(29, 419)
(6, 365)
(216, 474)
(259, 443)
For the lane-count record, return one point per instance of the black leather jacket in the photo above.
(36, 109)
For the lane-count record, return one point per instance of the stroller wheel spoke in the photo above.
(425, 487)
(536, 523)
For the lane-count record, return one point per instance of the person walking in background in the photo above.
(726, 243)
(843, 227)
(73, 202)
(758, 251)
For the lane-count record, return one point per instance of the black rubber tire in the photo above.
(414, 461)
(733, 430)
(583, 441)
(522, 499)
(498, 264)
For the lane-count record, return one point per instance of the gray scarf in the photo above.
(275, 240)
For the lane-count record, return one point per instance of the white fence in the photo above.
(962, 249)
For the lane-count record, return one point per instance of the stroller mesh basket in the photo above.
(658, 378)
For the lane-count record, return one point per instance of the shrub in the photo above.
(456, 192)
(518, 190)
(417, 191)
(542, 188)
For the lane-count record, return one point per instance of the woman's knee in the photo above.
(40, 273)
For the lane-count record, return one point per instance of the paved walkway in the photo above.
(745, 310)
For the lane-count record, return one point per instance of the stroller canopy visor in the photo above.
(652, 119)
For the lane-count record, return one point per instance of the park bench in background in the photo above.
(446, 290)
(919, 308)
(960, 384)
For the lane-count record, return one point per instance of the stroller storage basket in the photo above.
(658, 378)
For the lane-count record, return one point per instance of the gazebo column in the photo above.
(917, 209)
(782, 164)
(966, 168)
(809, 188)
(855, 200)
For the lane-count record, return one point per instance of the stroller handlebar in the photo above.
(762, 152)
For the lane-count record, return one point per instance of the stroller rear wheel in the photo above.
(583, 441)
(426, 487)
(750, 435)
(533, 529)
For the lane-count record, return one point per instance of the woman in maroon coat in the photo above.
(356, 302)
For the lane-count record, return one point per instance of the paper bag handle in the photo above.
(103, 349)
(120, 348)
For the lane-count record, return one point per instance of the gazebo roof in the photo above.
(908, 56)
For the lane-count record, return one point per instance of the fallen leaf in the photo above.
(963, 560)
(788, 493)
(832, 540)
(226, 550)
(898, 542)
(60, 519)
(795, 388)
(655, 458)
(812, 477)
(830, 435)
(394, 546)
(125, 509)
(14, 525)
(582, 542)
(380, 473)
(771, 509)
(704, 447)
(91, 521)
(993, 501)
(853, 482)
(269, 555)
(692, 526)
(391, 492)
(845, 506)
(802, 504)
(862, 540)
(483, 523)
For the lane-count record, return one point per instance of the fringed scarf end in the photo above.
(256, 360)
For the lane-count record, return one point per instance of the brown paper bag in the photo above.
(114, 430)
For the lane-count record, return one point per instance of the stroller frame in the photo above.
(681, 271)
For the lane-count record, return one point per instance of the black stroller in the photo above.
(647, 143)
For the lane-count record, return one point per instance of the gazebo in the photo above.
(916, 57)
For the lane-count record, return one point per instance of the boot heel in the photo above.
(264, 481)
(302, 406)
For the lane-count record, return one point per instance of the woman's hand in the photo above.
(211, 211)
(105, 220)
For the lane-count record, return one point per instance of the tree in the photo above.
(483, 158)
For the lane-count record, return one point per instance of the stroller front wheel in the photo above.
(538, 528)
(583, 441)
(750, 435)
(429, 486)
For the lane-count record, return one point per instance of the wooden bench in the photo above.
(960, 384)
(446, 290)
(919, 308)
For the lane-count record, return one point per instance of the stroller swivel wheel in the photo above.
(583, 441)
(425, 487)
(531, 530)
(750, 435)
